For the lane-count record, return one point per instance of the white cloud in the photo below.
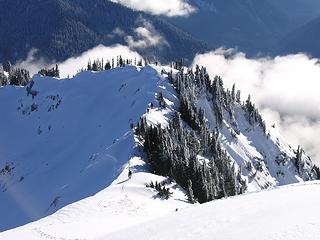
(117, 32)
(298, 129)
(145, 36)
(168, 8)
(31, 63)
(286, 88)
(72, 65)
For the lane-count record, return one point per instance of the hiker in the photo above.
(129, 174)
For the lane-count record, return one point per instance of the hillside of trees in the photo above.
(60, 29)
(188, 152)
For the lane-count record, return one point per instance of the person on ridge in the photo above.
(129, 174)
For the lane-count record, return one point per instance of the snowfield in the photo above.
(284, 213)
(128, 210)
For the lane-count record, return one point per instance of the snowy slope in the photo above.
(255, 147)
(285, 213)
(69, 141)
(125, 203)
(271, 158)
(126, 210)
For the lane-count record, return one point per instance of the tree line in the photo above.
(10, 75)
(186, 150)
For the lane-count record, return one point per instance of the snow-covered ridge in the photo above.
(64, 140)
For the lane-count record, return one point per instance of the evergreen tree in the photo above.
(298, 160)
(107, 66)
(162, 102)
(191, 198)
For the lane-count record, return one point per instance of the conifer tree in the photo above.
(191, 198)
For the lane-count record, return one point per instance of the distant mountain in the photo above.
(250, 25)
(297, 11)
(60, 29)
(305, 39)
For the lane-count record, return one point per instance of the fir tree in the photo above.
(191, 198)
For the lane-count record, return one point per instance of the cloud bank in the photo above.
(169, 8)
(285, 88)
(72, 65)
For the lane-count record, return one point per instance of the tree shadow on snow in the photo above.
(123, 181)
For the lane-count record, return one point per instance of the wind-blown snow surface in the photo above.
(285, 213)
(126, 210)
(71, 140)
